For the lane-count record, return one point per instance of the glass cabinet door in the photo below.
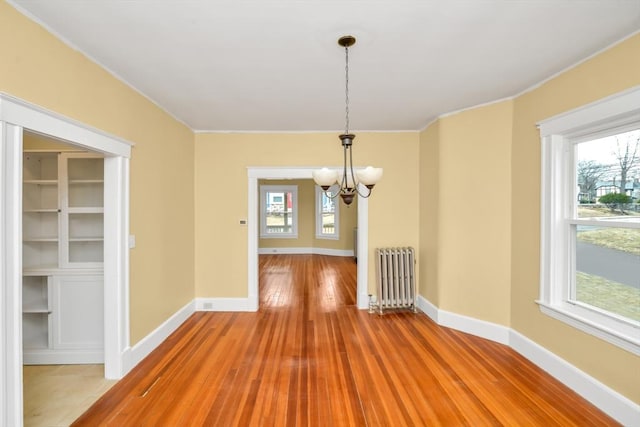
(83, 210)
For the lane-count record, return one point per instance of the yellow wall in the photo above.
(428, 255)
(221, 169)
(472, 209)
(348, 219)
(610, 72)
(42, 70)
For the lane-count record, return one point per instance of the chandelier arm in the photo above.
(330, 195)
(356, 183)
(363, 195)
(353, 177)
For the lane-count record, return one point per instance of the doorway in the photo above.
(256, 173)
(300, 224)
(63, 279)
(15, 117)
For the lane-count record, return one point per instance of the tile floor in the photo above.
(55, 395)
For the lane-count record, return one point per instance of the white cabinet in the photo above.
(63, 231)
(78, 302)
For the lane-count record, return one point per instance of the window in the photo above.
(327, 215)
(279, 211)
(590, 230)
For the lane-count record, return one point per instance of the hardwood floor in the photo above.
(310, 357)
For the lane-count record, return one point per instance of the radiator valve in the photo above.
(372, 304)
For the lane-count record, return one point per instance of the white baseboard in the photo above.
(223, 304)
(617, 406)
(428, 308)
(607, 400)
(62, 357)
(479, 328)
(134, 355)
(314, 251)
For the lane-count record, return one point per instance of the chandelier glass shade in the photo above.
(350, 183)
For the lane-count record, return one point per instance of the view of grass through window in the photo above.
(608, 255)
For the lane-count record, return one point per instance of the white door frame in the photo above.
(16, 115)
(256, 173)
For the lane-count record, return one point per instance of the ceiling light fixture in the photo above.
(346, 179)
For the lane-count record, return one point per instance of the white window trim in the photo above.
(293, 189)
(336, 228)
(614, 114)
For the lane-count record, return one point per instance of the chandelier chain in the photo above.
(346, 89)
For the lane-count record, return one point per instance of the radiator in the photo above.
(395, 273)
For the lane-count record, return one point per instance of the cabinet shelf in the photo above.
(86, 181)
(86, 239)
(41, 181)
(49, 210)
(40, 239)
(88, 210)
(35, 309)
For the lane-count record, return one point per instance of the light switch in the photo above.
(132, 241)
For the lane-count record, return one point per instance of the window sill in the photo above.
(325, 237)
(279, 236)
(618, 333)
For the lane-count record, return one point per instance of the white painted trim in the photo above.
(600, 395)
(255, 173)
(428, 308)
(116, 265)
(557, 206)
(617, 406)
(223, 304)
(308, 251)
(17, 115)
(41, 120)
(10, 273)
(145, 346)
(469, 325)
(480, 328)
(362, 297)
(605, 327)
(623, 107)
(63, 357)
(253, 228)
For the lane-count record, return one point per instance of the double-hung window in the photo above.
(279, 211)
(327, 215)
(590, 219)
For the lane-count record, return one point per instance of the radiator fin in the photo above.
(395, 274)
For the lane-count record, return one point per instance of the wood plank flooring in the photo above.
(309, 357)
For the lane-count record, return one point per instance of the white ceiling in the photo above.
(274, 65)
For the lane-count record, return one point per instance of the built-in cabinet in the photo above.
(62, 284)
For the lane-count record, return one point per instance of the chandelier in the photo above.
(346, 179)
